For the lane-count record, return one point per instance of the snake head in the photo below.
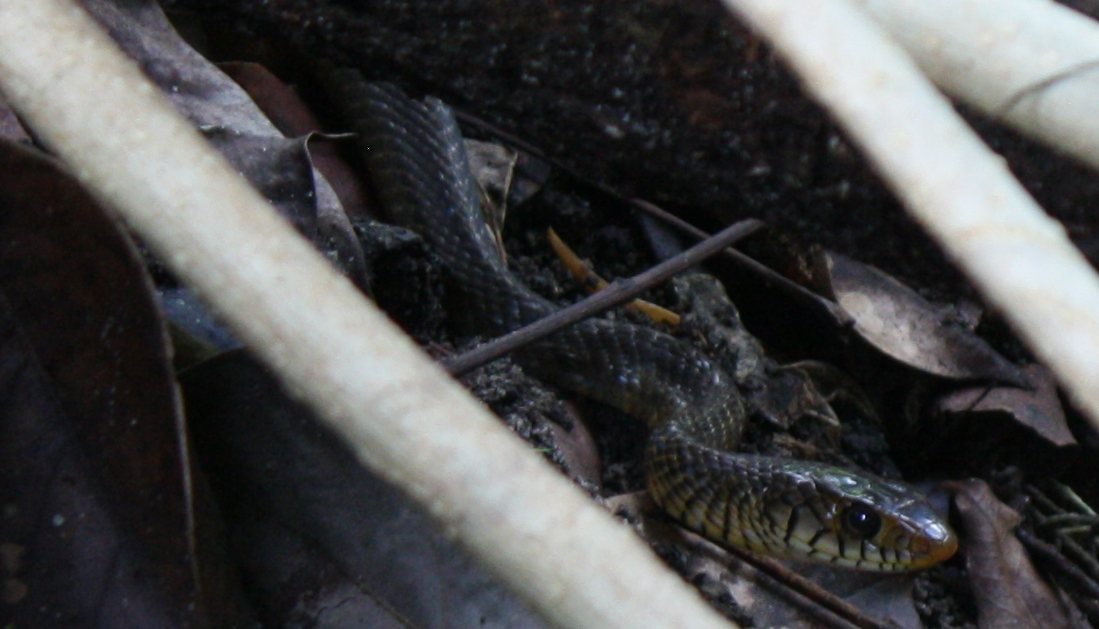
(860, 521)
(799, 510)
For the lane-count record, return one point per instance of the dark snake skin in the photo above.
(790, 509)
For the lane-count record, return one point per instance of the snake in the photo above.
(784, 508)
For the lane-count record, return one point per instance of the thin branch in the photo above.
(765, 273)
(773, 574)
(618, 292)
(396, 410)
(826, 608)
(1073, 576)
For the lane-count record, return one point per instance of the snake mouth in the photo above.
(935, 544)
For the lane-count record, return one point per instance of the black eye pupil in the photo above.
(862, 521)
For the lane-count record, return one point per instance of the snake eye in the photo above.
(861, 520)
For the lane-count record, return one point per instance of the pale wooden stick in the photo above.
(951, 183)
(401, 415)
(1033, 64)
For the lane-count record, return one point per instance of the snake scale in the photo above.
(784, 508)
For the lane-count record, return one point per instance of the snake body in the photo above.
(791, 509)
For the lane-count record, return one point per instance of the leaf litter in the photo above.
(342, 548)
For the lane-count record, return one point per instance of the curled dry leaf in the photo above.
(493, 166)
(293, 118)
(218, 106)
(900, 323)
(281, 168)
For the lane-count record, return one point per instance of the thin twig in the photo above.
(777, 573)
(1071, 572)
(515, 142)
(767, 274)
(618, 292)
(826, 607)
(1060, 524)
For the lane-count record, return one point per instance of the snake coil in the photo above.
(791, 509)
